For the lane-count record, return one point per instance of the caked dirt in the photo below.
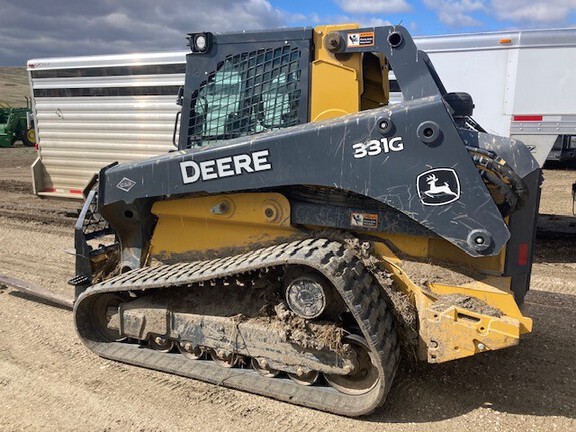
(50, 381)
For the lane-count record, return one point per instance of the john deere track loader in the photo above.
(304, 232)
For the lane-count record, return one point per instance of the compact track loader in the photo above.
(305, 232)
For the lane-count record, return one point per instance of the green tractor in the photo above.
(16, 124)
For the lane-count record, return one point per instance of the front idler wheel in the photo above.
(364, 378)
(104, 310)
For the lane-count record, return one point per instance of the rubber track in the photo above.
(361, 293)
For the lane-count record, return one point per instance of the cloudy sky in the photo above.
(53, 28)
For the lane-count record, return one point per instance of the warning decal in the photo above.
(364, 220)
(361, 39)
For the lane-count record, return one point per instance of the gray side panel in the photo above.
(323, 154)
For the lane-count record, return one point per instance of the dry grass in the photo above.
(14, 87)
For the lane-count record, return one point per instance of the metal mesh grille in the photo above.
(249, 93)
(94, 225)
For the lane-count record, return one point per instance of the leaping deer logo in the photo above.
(435, 190)
(438, 186)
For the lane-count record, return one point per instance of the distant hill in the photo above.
(14, 86)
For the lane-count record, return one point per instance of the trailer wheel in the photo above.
(29, 138)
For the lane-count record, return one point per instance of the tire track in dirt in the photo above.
(18, 186)
(554, 277)
(51, 270)
(36, 252)
(63, 218)
(555, 284)
(59, 232)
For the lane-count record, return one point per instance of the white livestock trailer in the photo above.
(522, 82)
(95, 110)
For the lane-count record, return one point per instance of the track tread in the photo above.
(358, 288)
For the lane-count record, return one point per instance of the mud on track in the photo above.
(49, 380)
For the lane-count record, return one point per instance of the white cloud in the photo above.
(373, 6)
(457, 13)
(537, 11)
(458, 20)
(368, 21)
(374, 22)
(462, 13)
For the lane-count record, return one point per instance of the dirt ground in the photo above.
(49, 380)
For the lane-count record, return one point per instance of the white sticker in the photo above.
(361, 39)
(364, 220)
